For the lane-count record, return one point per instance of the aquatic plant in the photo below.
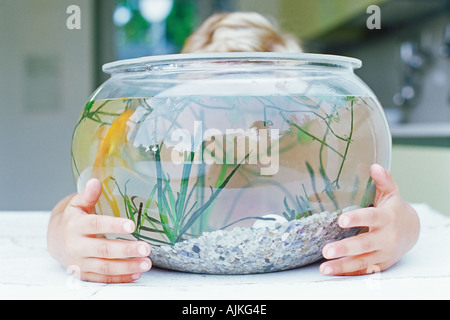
(171, 213)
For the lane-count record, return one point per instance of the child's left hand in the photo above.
(393, 229)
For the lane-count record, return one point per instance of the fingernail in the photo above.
(380, 169)
(327, 270)
(135, 276)
(344, 221)
(331, 253)
(128, 227)
(142, 250)
(145, 266)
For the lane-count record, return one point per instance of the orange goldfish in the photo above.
(108, 149)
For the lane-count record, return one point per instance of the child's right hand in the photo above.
(75, 238)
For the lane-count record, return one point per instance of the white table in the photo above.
(27, 271)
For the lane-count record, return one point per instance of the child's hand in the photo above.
(393, 229)
(75, 240)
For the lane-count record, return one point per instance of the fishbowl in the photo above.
(232, 163)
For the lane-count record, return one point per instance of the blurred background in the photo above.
(48, 71)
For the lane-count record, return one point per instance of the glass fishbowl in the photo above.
(232, 163)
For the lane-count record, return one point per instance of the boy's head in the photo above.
(239, 32)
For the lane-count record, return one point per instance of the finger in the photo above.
(101, 278)
(366, 217)
(354, 265)
(88, 198)
(96, 225)
(114, 249)
(353, 246)
(116, 267)
(384, 182)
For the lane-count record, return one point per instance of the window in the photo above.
(155, 27)
(152, 27)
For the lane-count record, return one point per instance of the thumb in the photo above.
(88, 198)
(384, 182)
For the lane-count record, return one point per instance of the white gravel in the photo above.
(280, 246)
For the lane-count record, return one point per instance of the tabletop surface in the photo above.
(27, 271)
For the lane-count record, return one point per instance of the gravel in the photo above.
(266, 248)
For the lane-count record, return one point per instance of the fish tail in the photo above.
(107, 194)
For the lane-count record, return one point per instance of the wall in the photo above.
(266, 7)
(423, 175)
(45, 79)
(311, 18)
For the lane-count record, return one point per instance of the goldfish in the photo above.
(108, 150)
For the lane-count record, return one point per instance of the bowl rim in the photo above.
(157, 62)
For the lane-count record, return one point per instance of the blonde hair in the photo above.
(239, 32)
